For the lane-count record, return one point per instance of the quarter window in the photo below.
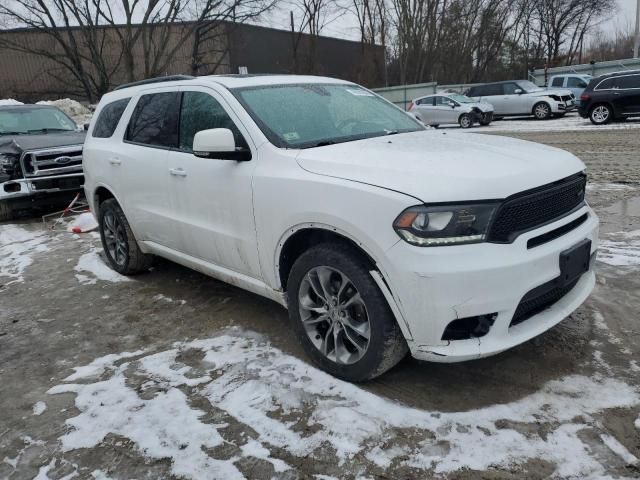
(155, 120)
(200, 111)
(109, 118)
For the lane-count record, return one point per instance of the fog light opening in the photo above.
(469, 327)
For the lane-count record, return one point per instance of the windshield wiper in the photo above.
(12, 133)
(391, 132)
(324, 143)
(47, 130)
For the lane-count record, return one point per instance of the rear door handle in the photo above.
(177, 172)
(115, 161)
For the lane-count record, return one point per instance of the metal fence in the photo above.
(597, 69)
(403, 94)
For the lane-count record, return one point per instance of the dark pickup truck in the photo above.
(40, 158)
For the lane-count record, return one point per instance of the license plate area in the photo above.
(574, 262)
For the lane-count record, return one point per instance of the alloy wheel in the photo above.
(115, 239)
(334, 315)
(542, 111)
(600, 114)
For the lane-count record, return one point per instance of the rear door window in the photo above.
(200, 111)
(426, 102)
(558, 82)
(607, 84)
(492, 90)
(109, 118)
(155, 120)
(628, 81)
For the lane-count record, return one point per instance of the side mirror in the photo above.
(85, 127)
(452, 104)
(518, 91)
(218, 143)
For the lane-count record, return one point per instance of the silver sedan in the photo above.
(448, 108)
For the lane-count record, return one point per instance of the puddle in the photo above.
(629, 207)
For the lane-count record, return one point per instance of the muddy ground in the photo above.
(236, 398)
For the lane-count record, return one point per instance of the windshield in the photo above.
(313, 115)
(15, 121)
(528, 86)
(456, 97)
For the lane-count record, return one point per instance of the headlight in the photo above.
(431, 226)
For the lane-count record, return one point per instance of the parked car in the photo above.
(521, 97)
(615, 96)
(40, 158)
(379, 234)
(435, 110)
(575, 82)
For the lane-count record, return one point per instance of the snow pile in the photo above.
(85, 222)
(17, 248)
(301, 410)
(622, 252)
(9, 101)
(39, 408)
(78, 112)
(93, 264)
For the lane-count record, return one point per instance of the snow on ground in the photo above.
(622, 249)
(93, 264)
(280, 397)
(85, 222)
(17, 247)
(39, 408)
(78, 112)
(570, 122)
(9, 101)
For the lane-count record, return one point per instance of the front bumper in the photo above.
(434, 286)
(562, 107)
(23, 189)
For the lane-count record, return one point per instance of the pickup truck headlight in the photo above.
(432, 226)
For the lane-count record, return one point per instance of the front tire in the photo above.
(542, 111)
(486, 119)
(340, 315)
(465, 121)
(119, 244)
(6, 212)
(600, 114)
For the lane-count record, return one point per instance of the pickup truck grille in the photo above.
(534, 208)
(46, 162)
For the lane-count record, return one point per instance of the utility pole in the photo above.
(636, 43)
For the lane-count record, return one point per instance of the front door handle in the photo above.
(177, 172)
(115, 161)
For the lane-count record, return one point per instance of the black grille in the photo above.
(539, 299)
(534, 208)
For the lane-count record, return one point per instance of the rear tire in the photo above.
(6, 212)
(600, 114)
(119, 244)
(465, 121)
(340, 315)
(542, 111)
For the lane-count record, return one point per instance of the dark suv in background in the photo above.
(40, 158)
(613, 96)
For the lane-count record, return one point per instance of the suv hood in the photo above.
(435, 166)
(21, 143)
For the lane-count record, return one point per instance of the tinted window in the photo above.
(426, 101)
(575, 82)
(510, 88)
(557, 82)
(474, 92)
(628, 81)
(200, 111)
(155, 120)
(109, 118)
(490, 90)
(440, 101)
(607, 84)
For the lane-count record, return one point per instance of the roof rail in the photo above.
(168, 78)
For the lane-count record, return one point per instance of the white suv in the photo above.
(379, 235)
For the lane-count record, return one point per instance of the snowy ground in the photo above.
(174, 375)
(78, 112)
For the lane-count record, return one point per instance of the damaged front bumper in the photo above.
(436, 286)
(26, 190)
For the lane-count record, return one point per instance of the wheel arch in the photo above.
(100, 194)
